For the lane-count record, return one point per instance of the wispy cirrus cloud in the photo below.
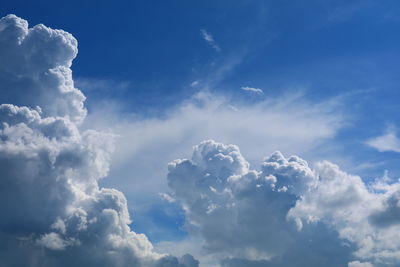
(252, 90)
(289, 123)
(210, 40)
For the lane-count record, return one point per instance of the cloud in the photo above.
(194, 83)
(210, 40)
(35, 69)
(386, 142)
(53, 211)
(252, 90)
(287, 213)
(359, 264)
(289, 123)
(192, 244)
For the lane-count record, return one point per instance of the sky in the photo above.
(164, 131)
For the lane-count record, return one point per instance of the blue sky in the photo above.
(150, 52)
(329, 46)
(164, 75)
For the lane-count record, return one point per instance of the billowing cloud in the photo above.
(386, 142)
(288, 123)
(210, 40)
(252, 90)
(53, 211)
(34, 70)
(286, 214)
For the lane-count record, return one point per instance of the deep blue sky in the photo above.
(328, 46)
(150, 52)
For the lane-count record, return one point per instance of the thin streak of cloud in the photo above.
(210, 40)
(195, 83)
(252, 90)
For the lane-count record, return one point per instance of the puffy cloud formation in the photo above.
(53, 212)
(289, 123)
(287, 214)
(35, 69)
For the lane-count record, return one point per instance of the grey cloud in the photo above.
(359, 264)
(390, 213)
(53, 212)
(186, 260)
(242, 214)
(287, 214)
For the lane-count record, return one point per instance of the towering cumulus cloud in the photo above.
(287, 214)
(53, 212)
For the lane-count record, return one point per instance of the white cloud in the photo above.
(359, 264)
(284, 213)
(386, 142)
(144, 145)
(289, 123)
(53, 241)
(35, 69)
(252, 90)
(323, 217)
(210, 40)
(53, 211)
(194, 83)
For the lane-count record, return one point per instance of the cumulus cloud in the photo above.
(286, 214)
(53, 211)
(35, 69)
(289, 123)
(209, 39)
(386, 142)
(252, 90)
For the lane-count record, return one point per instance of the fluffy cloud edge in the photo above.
(51, 167)
(285, 205)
